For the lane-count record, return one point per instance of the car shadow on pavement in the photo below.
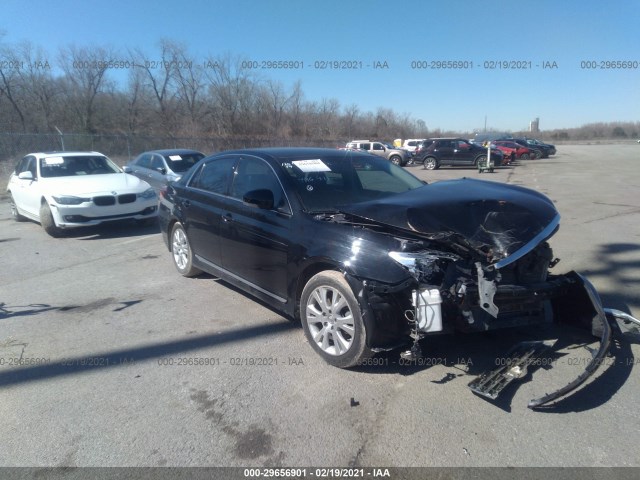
(128, 356)
(120, 229)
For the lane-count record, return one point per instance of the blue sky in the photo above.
(367, 31)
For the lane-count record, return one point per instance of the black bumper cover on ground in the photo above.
(579, 306)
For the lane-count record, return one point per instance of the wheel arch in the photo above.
(311, 269)
(170, 226)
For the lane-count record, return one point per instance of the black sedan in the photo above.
(158, 167)
(367, 256)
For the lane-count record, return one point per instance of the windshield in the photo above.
(180, 163)
(324, 184)
(67, 166)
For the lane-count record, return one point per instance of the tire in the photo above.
(479, 159)
(181, 252)
(14, 210)
(430, 163)
(332, 320)
(47, 221)
(537, 155)
(524, 156)
(396, 160)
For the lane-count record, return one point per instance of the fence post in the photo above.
(61, 137)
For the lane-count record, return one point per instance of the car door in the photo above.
(366, 146)
(141, 166)
(27, 192)
(464, 153)
(156, 173)
(378, 149)
(255, 241)
(444, 151)
(203, 203)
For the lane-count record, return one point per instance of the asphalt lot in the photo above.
(108, 357)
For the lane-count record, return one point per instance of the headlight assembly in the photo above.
(69, 200)
(422, 264)
(147, 194)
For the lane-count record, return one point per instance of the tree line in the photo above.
(174, 95)
(177, 96)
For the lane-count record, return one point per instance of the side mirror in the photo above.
(25, 175)
(162, 170)
(127, 169)
(261, 198)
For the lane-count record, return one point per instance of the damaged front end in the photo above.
(453, 293)
(478, 265)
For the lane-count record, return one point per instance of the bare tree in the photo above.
(190, 86)
(85, 69)
(160, 76)
(42, 89)
(233, 91)
(276, 100)
(11, 88)
(349, 120)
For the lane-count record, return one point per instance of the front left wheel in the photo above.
(396, 160)
(48, 222)
(332, 320)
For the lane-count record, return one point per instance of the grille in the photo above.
(104, 200)
(127, 198)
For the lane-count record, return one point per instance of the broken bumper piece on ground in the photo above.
(582, 307)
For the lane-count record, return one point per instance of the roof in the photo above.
(295, 152)
(172, 151)
(65, 154)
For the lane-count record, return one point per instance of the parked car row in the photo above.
(537, 149)
(436, 152)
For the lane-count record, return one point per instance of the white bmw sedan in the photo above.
(75, 189)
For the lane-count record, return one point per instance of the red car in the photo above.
(510, 149)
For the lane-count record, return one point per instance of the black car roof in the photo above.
(295, 152)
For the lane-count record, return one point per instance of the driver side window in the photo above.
(255, 174)
(157, 163)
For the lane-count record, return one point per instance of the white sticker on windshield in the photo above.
(54, 161)
(316, 165)
(175, 157)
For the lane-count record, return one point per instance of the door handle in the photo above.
(227, 217)
(187, 203)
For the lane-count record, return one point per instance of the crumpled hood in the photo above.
(496, 219)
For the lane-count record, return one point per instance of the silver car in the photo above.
(396, 156)
(158, 167)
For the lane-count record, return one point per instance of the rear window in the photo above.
(183, 162)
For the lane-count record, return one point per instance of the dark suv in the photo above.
(455, 151)
(545, 149)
